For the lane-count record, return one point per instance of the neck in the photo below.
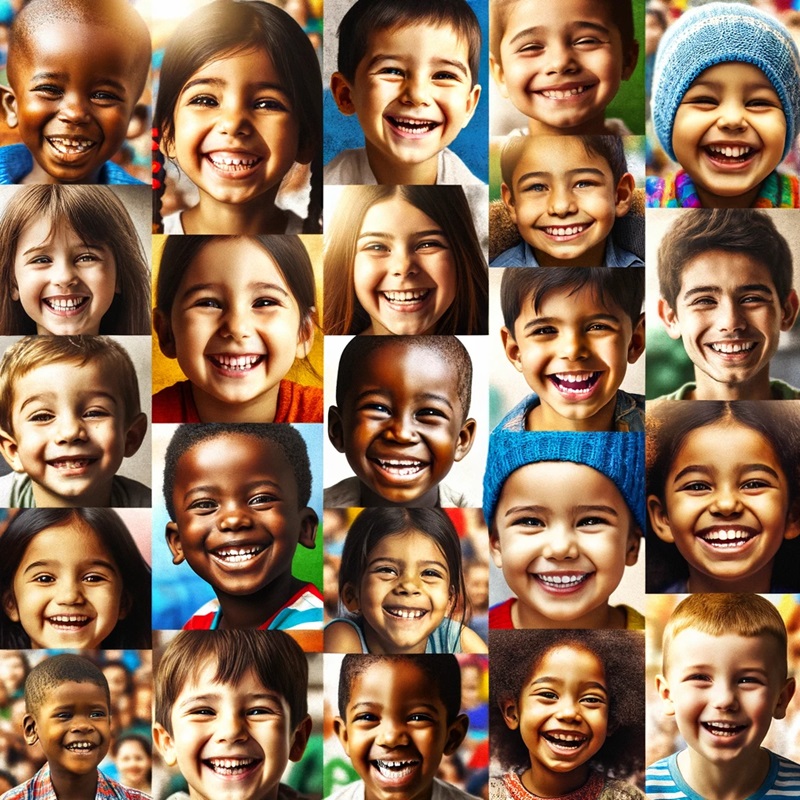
(544, 783)
(253, 610)
(757, 388)
(759, 582)
(544, 418)
(257, 216)
(69, 786)
(260, 409)
(725, 781)
(387, 172)
(604, 616)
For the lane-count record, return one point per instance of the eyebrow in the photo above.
(47, 396)
(556, 320)
(706, 470)
(97, 562)
(417, 235)
(436, 63)
(221, 83)
(253, 287)
(748, 287)
(559, 681)
(570, 173)
(48, 242)
(534, 29)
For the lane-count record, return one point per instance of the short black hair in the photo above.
(366, 17)
(53, 671)
(515, 655)
(613, 288)
(284, 436)
(448, 348)
(441, 669)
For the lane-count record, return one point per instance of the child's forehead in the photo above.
(203, 457)
(72, 376)
(418, 30)
(568, 302)
(400, 679)
(558, 156)
(725, 271)
(726, 649)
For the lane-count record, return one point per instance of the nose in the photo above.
(230, 726)
(730, 317)
(731, 114)
(234, 518)
(236, 323)
(562, 202)
(561, 543)
(572, 345)
(401, 428)
(568, 709)
(63, 273)
(69, 592)
(392, 733)
(723, 696)
(726, 501)
(404, 263)
(407, 584)
(74, 108)
(233, 118)
(560, 58)
(70, 428)
(415, 90)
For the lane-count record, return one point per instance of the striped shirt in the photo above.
(40, 787)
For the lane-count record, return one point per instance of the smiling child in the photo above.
(561, 64)
(565, 194)
(401, 419)
(725, 278)
(572, 332)
(237, 497)
(72, 103)
(724, 679)
(398, 716)
(726, 100)
(408, 70)
(565, 513)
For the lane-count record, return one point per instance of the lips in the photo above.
(409, 296)
(395, 771)
(71, 146)
(232, 163)
(80, 747)
(565, 233)
(231, 767)
(565, 740)
(565, 92)
(71, 463)
(562, 582)
(724, 730)
(732, 348)
(69, 622)
(575, 385)
(235, 556)
(236, 366)
(405, 613)
(726, 155)
(411, 127)
(400, 467)
(66, 305)
(727, 538)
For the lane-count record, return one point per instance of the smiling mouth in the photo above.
(411, 296)
(568, 741)
(563, 233)
(242, 363)
(394, 770)
(233, 164)
(406, 613)
(733, 154)
(562, 581)
(65, 306)
(575, 384)
(70, 146)
(732, 348)
(69, 622)
(400, 467)
(564, 94)
(230, 767)
(80, 747)
(71, 463)
(412, 127)
(237, 555)
(727, 539)
(724, 729)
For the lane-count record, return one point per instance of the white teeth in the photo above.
(723, 728)
(567, 737)
(395, 769)
(80, 746)
(65, 619)
(562, 580)
(732, 347)
(730, 152)
(560, 94)
(65, 304)
(574, 377)
(237, 362)
(236, 555)
(727, 538)
(232, 164)
(410, 125)
(68, 146)
(402, 467)
(407, 613)
(229, 766)
(407, 296)
(76, 463)
(570, 230)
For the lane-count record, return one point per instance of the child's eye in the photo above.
(44, 579)
(431, 412)
(365, 716)
(546, 694)
(599, 326)
(756, 483)
(701, 100)
(96, 413)
(751, 679)
(205, 100)
(699, 677)
(207, 302)
(587, 42)
(763, 102)
(375, 247)
(379, 408)
(585, 184)
(95, 578)
(87, 257)
(391, 71)
(535, 187)
(97, 714)
(265, 302)
(433, 573)
(592, 522)
(201, 712)
(752, 299)
(262, 499)
(695, 486)
(42, 416)
(49, 90)
(704, 301)
(446, 76)
(532, 48)
(260, 711)
(106, 97)
(419, 717)
(529, 522)
(270, 104)
(203, 505)
(543, 330)
(385, 570)
(432, 244)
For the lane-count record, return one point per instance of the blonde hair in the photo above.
(31, 352)
(718, 614)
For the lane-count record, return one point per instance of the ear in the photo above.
(624, 199)
(472, 104)
(340, 729)
(14, 293)
(669, 317)
(632, 547)
(165, 744)
(659, 519)
(343, 94)
(510, 712)
(305, 336)
(8, 446)
(496, 68)
(636, 345)
(10, 605)
(792, 529)
(508, 202)
(350, 598)
(9, 102)
(788, 311)
(466, 437)
(29, 730)
(494, 547)
(174, 542)
(309, 522)
(138, 124)
(135, 434)
(662, 687)
(630, 61)
(456, 733)
(511, 347)
(784, 698)
(336, 428)
(300, 739)
(166, 341)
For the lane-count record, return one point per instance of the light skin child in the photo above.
(72, 712)
(237, 492)
(134, 763)
(564, 201)
(230, 741)
(235, 329)
(567, 692)
(412, 92)
(562, 71)
(729, 134)
(393, 715)
(584, 538)
(730, 318)
(724, 691)
(73, 105)
(70, 432)
(726, 508)
(402, 425)
(574, 353)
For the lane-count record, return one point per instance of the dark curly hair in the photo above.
(517, 653)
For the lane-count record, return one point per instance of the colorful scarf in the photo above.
(678, 191)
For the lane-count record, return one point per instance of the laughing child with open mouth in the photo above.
(566, 712)
(726, 100)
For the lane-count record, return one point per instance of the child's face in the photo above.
(395, 731)
(574, 353)
(236, 134)
(724, 692)
(235, 329)
(73, 726)
(729, 317)
(72, 104)
(564, 201)
(563, 536)
(133, 763)
(67, 590)
(562, 71)
(237, 517)
(725, 505)
(404, 593)
(729, 133)
(404, 273)
(230, 741)
(402, 425)
(65, 285)
(412, 93)
(561, 715)
(70, 433)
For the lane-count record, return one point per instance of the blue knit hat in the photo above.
(716, 33)
(619, 456)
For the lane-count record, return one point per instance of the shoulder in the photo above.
(343, 636)
(109, 788)
(629, 411)
(345, 494)
(128, 493)
(515, 419)
(172, 223)
(471, 642)
(203, 618)
(500, 615)
(660, 780)
(353, 791)
(175, 404)
(679, 394)
(114, 174)
(497, 789)
(620, 790)
(302, 611)
(452, 170)
(513, 257)
(16, 162)
(784, 777)
(655, 190)
(299, 403)
(783, 391)
(349, 166)
(446, 791)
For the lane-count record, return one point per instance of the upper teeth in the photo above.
(574, 377)
(80, 745)
(232, 162)
(399, 297)
(732, 347)
(567, 737)
(237, 362)
(407, 613)
(65, 145)
(237, 554)
(562, 579)
(560, 94)
(565, 231)
(394, 764)
(64, 303)
(414, 125)
(723, 536)
(229, 763)
(736, 151)
(69, 618)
